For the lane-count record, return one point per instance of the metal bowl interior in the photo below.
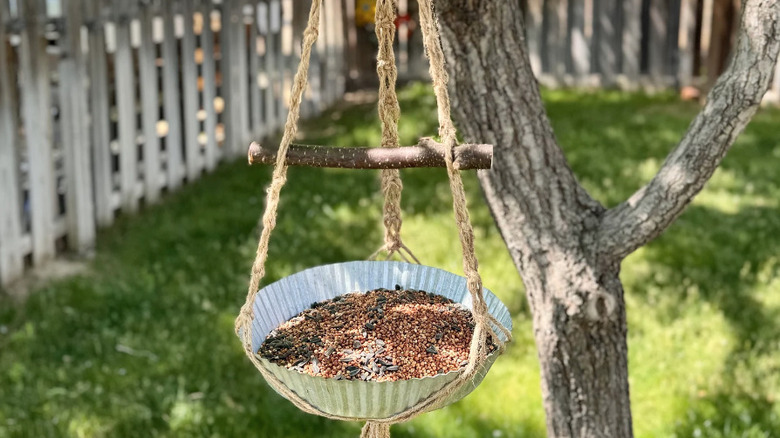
(281, 300)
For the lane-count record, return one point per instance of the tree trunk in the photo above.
(577, 302)
(566, 246)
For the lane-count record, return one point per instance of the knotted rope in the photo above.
(485, 324)
(389, 113)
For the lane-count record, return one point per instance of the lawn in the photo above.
(142, 345)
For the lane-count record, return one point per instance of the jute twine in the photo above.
(485, 323)
(389, 113)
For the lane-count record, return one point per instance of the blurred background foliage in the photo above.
(142, 345)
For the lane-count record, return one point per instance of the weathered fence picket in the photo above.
(209, 87)
(150, 105)
(75, 133)
(36, 114)
(11, 256)
(172, 99)
(192, 149)
(125, 107)
(607, 38)
(255, 98)
(99, 113)
(271, 64)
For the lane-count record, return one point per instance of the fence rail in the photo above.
(107, 104)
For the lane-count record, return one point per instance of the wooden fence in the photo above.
(107, 104)
(632, 44)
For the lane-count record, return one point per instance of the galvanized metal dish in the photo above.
(362, 400)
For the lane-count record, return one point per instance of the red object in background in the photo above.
(406, 19)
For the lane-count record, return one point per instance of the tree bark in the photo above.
(566, 246)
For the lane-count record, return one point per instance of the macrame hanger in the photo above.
(389, 113)
(485, 324)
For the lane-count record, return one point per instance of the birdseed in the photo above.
(381, 335)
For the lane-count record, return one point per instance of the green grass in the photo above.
(143, 344)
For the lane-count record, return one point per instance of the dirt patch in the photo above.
(40, 276)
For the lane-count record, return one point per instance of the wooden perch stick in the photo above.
(427, 153)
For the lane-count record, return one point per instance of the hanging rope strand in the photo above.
(389, 113)
(448, 134)
(280, 169)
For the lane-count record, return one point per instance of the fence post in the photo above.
(340, 53)
(73, 107)
(11, 259)
(533, 27)
(685, 40)
(209, 85)
(125, 104)
(36, 110)
(606, 20)
(286, 55)
(579, 42)
(99, 113)
(233, 48)
(632, 38)
(150, 104)
(554, 38)
(256, 120)
(776, 83)
(193, 159)
(171, 98)
(657, 56)
(273, 94)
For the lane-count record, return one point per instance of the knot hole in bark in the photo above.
(600, 306)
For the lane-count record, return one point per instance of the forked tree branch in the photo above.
(730, 105)
(428, 153)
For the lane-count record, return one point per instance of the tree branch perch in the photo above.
(427, 153)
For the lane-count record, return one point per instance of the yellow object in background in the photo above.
(364, 12)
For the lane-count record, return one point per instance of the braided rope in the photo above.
(389, 113)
